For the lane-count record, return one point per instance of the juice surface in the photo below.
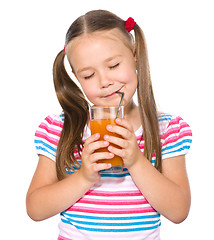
(99, 126)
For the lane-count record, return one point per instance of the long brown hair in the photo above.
(75, 106)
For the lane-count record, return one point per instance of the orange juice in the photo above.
(99, 126)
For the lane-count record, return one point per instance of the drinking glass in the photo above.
(100, 117)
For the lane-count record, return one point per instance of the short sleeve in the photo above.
(177, 138)
(47, 136)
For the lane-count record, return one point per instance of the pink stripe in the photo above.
(113, 194)
(148, 235)
(139, 138)
(46, 137)
(173, 139)
(63, 238)
(176, 130)
(141, 145)
(113, 202)
(171, 131)
(52, 121)
(180, 123)
(180, 136)
(50, 130)
(176, 120)
(76, 150)
(111, 211)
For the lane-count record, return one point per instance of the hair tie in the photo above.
(129, 24)
(64, 49)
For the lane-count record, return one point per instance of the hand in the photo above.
(130, 151)
(90, 168)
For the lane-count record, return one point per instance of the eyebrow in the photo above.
(113, 57)
(83, 69)
(106, 60)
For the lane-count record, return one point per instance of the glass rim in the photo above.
(95, 106)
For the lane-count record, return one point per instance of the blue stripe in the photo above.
(44, 144)
(114, 175)
(177, 150)
(178, 144)
(110, 218)
(114, 230)
(62, 116)
(101, 224)
(164, 117)
(45, 150)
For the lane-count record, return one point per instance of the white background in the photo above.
(180, 40)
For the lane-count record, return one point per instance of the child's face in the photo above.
(103, 64)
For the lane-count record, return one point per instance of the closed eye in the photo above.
(87, 77)
(114, 66)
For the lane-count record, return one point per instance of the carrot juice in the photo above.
(99, 126)
(100, 117)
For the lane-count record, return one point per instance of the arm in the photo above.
(168, 192)
(47, 196)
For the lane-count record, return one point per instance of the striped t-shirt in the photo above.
(114, 208)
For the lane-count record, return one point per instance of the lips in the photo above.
(110, 95)
(113, 93)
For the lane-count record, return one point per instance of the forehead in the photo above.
(114, 36)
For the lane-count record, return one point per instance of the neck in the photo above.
(132, 115)
(129, 108)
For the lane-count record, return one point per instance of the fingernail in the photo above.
(109, 165)
(109, 127)
(106, 137)
(109, 148)
(118, 120)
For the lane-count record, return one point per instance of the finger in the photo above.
(121, 142)
(124, 123)
(101, 166)
(96, 145)
(123, 132)
(92, 138)
(117, 151)
(101, 155)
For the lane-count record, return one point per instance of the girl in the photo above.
(105, 59)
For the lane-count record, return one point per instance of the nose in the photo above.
(105, 81)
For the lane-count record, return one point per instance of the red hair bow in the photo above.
(129, 24)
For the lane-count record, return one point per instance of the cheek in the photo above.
(129, 77)
(89, 91)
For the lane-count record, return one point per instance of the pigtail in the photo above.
(146, 100)
(75, 109)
